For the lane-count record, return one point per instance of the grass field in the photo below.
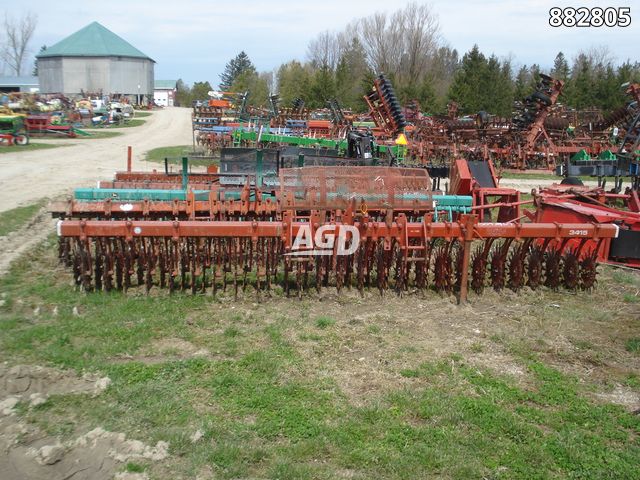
(14, 219)
(528, 385)
(134, 122)
(27, 148)
(174, 154)
(97, 133)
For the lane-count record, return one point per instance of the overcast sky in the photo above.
(193, 39)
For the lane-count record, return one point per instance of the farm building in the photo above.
(21, 84)
(94, 60)
(164, 92)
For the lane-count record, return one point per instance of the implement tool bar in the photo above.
(373, 230)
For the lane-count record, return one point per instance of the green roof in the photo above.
(164, 84)
(94, 40)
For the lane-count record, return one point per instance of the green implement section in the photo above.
(447, 203)
(82, 133)
(341, 145)
(132, 194)
(290, 140)
(607, 155)
(582, 155)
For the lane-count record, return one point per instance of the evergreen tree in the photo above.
(428, 98)
(582, 92)
(521, 85)
(350, 72)
(483, 84)
(467, 85)
(560, 68)
(323, 87)
(534, 77)
(236, 66)
(35, 62)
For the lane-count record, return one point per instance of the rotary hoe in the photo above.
(310, 228)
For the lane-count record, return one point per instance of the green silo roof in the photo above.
(94, 40)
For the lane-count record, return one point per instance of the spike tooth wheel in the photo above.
(535, 267)
(479, 266)
(319, 272)
(552, 269)
(98, 263)
(384, 266)
(400, 270)
(442, 268)
(76, 259)
(119, 260)
(162, 262)
(215, 263)
(370, 261)
(571, 270)
(498, 265)
(107, 265)
(588, 270)
(517, 267)
(173, 264)
(361, 266)
(85, 265)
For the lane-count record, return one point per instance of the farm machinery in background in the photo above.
(541, 134)
(13, 131)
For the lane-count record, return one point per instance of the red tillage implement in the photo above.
(395, 254)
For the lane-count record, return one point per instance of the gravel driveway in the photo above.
(26, 177)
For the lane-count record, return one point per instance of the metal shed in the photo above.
(95, 60)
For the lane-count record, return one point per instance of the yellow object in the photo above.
(401, 140)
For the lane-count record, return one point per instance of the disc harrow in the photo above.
(398, 255)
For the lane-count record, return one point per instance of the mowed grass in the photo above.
(14, 219)
(27, 148)
(160, 153)
(98, 133)
(134, 122)
(175, 154)
(269, 405)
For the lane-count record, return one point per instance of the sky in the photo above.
(194, 39)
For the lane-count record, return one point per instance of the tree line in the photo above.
(408, 47)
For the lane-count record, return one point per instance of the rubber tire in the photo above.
(21, 140)
(542, 97)
(572, 181)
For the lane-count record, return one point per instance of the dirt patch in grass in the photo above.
(165, 350)
(35, 384)
(95, 455)
(28, 452)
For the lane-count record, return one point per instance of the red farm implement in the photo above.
(43, 125)
(582, 204)
(312, 227)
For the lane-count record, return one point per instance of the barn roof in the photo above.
(94, 40)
